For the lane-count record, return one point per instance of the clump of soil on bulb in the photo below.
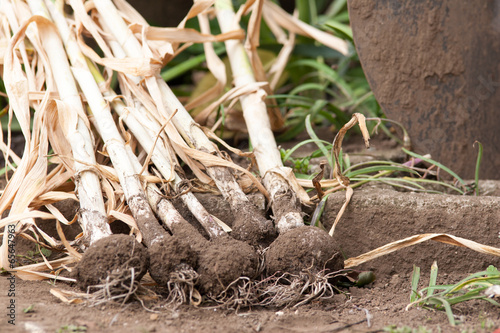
(112, 254)
(170, 256)
(221, 261)
(303, 248)
(251, 226)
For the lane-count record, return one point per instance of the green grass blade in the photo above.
(372, 169)
(441, 166)
(290, 151)
(478, 166)
(317, 141)
(415, 278)
(473, 294)
(328, 73)
(291, 132)
(319, 211)
(447, 309)
(437, 182)
(336, 7)
(290, 96)
(369, 163)
(341, 27)
(308, 86)
(432, 279)
(187, 65)
(387, 179)
(492, 301)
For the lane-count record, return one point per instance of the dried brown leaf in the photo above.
(65, 242)
(348, 196)
(183, 35)
(68, 297)
(337, 145)
(297, 26)
(39, 276)
(413, 240)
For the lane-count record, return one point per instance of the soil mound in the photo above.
(112, 254)
(303, 248)
(168, 257)
(223, 262)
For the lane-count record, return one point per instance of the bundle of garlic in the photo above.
(114, 146)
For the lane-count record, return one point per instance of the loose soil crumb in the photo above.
(111, 254)
(304, 248)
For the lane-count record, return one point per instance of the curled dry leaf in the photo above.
(357, 118)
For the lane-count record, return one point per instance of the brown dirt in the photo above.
(170, 256)
(249, 224)
(220, 261)
(222, 210)
(303, 248)
(111, 254)
(284, 203)
(223, 261)
(252, 227)
(384, 301)
(376, 217)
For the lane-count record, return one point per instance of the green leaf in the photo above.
(339, 27)
(186, 66)
(337, 7)
(29, 309)
(415, 278)
(447, 308)
(308, 86)
(317, 141)
(372, 169)
(46, 252)
(328, 73)
(431, 161)
(432, 279)
(289, 152)
(319, 211)
(478, 166)
(492, 269)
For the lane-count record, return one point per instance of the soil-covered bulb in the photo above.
(304, 248)
(113, 254)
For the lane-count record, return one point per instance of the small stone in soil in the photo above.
(304, 248)
(111, 254)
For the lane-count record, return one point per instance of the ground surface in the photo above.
(382, 215)
(384, 302)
